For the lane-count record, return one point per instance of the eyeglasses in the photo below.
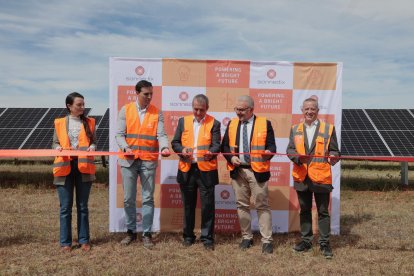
(241, 110)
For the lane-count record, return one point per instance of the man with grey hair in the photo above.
(312, 149)
(197, 141)
(249, 142)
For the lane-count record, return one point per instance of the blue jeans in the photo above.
(65, 192)
(146, 172)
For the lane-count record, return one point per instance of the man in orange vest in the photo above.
(197, 141)
(312, 148)
(254, 137)
(140, 132)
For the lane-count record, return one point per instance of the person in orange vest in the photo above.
(76, 132)
(312, 148)
(140, 132)
(196, 140)
(254, 137)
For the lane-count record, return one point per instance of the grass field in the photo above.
(376, 224)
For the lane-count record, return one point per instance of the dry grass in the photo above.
(377, 238)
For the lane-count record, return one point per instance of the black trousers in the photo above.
(189, 197)
(324, 220)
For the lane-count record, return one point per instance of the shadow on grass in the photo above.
(346, 238)
(38, 180)
(378, 184)
(16, 240)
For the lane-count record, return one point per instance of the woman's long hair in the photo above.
(69, 100)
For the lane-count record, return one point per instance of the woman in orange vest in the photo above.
(74, 132)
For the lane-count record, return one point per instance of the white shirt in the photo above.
(310, 131)
(74, 125)
(196, 128)
(249, 132)
(141, 112)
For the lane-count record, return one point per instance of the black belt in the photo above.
(245, 166)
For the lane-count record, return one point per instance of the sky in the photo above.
(50, 48)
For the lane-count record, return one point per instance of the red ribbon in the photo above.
(13, 153)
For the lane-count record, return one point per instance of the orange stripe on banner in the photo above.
(51, 153)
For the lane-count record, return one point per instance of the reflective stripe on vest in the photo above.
(203, 144)
(141, 139)
(259, 163)
(61, 165)
(318, 170)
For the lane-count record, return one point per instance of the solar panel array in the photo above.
(365, 132)
(102, 133)
(29, 128)
(377, 132)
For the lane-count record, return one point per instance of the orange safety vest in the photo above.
(86, 164)
(203, 144)
(318, 170)
(142, 139)
(257, 145)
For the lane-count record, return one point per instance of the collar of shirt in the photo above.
(197, 122)
(140, 109)
(251, 119)
(314, 123)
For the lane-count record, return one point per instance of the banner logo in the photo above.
(183, 96)
(184, 73)
(271, 74)
(226, 121)
(140, 70)
(315, 77)
(139, 217)
(225, 194)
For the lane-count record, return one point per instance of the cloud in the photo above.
(50, 48)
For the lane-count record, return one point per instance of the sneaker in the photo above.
(187, 242)
(129, 238)
(246, 243)
(147, 242)
(326, 250)
(302, 246)
(209, 246)
(267, 248)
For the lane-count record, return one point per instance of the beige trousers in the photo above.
(246, 186)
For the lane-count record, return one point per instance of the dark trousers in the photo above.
(324, 220)
(82, 189)
(189, 199)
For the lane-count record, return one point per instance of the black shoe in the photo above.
(209, 246)
(302, 246)
(267, 248)
(246, 244)
(129, 238)
(326, 250)
(187, 242)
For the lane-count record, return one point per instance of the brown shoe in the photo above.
(86, 247)
(66, 249)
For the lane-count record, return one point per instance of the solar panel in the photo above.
(355, 119)
(105, 120)
(41, 138)
(391, 119)
(12, 138)
(21, 117)
(102, 139)
(362, 143)
(401, 143)
(54, 113)
(1, 110)
(97, 119)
